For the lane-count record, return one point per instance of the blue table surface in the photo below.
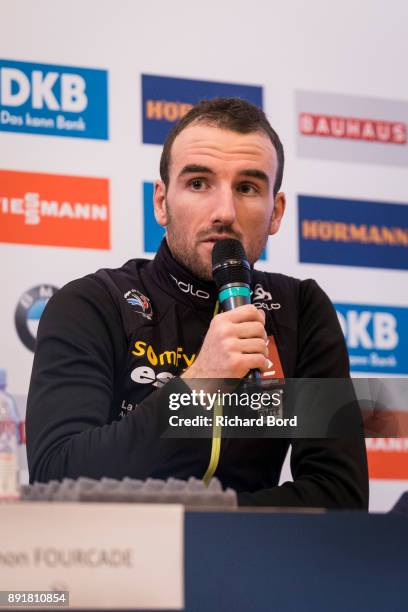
(340, 561)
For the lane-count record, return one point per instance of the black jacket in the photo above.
(108, 342)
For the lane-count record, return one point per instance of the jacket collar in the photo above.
(180, 282)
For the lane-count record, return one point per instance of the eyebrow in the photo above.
(250, 172)
(195, 169)
(258, 174)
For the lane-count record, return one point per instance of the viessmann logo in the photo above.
(352, 128)
(165, 100)
(53, 100)
(54, 210)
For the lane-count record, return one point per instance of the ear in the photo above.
(159, 203)
(278, 210)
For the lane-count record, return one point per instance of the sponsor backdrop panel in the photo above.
(339, 127)
(81, 127)
(376, 336)
(353, 233)
(53, 100)
(54, 210)
(166, 100)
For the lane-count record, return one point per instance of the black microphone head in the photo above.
(230, 263)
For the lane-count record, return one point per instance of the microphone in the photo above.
(232, 276)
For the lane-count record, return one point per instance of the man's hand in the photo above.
(234, 344)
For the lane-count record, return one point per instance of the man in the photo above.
(114, 345)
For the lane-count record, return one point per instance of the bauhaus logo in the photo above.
(370, 130)
(54, 210)
(340, 127)
(53, 100)
(165, 100)
(353, 232)
(376, 337)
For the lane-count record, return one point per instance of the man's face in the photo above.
(221, 186)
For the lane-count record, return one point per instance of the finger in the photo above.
(253, 329)
(253, 345)
(255, 362)
(262, 312)
(244, 313)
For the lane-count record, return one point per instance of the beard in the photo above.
(185, 252)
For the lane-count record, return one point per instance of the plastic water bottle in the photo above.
(9, 440)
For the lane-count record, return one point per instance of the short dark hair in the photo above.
(227, 113)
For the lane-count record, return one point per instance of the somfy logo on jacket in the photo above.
(53, 100)
(165, 100)
(352, 128)
(54, 210)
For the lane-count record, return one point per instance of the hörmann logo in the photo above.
(345, 128)
(54, 210)
(165, 100)
(53, 100)
(353, 232)
(376, 337)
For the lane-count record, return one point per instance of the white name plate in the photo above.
(105, 555)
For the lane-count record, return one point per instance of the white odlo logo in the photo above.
(188, 288)
(261, 294)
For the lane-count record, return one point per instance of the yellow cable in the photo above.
(216, 434)
(215, 447)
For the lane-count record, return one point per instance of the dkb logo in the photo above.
(376, 337)
(53, 100)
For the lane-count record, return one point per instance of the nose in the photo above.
(223, 212)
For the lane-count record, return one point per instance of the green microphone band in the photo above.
(233, 292)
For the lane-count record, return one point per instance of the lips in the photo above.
(214, 239)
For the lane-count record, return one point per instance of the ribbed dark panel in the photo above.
(230, 263)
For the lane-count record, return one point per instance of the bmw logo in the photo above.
(28, 313)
